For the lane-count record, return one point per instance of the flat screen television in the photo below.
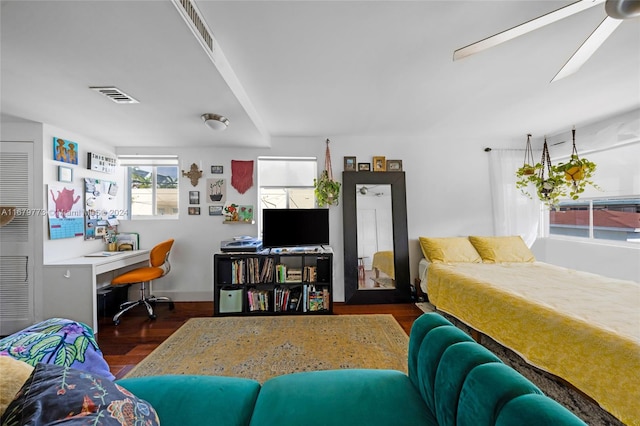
(295, 227)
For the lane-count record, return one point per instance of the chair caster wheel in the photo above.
(171, 306)
(116, 322)
(154, 316)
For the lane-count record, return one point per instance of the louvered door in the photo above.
(16, 237)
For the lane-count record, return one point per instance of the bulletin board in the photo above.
(100, 207)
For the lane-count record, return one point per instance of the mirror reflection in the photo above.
(375, 237)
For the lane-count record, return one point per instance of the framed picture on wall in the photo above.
(194, 197)
(217, 170)
(379, 164)
(194, 210)
(349, 164)
(65, 174)
(364, 167)
(394, 165)
(215, 210)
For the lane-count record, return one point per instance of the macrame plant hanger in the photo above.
(546, 187)
(327, 161)
(528, 165)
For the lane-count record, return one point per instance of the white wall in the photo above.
(447, 194)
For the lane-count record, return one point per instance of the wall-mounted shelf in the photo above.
(239, 222)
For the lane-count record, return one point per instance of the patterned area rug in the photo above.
(263, 347)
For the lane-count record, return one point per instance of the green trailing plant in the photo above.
(327, 190)
(552, 183)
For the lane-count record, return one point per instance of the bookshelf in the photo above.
(273, 282)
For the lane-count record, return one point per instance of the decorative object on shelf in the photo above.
(326, 189)
(231, 213)
(394, 165)
(379, 164)
(65, 174)
(217, 170)
(364, 167)
(577, 171)
(349, 164)
(194, 197)
(215, 121)
(101, 163)
(194, 174)
(194, 211)
(242, 175)
(65, 151)
(245, 213)
(216, 190)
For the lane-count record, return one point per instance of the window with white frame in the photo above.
(285, 183)
(153, 185)
(612, 211)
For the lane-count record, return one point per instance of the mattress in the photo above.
(582, 327)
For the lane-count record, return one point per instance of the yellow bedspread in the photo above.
(383, 261)
(582, 327)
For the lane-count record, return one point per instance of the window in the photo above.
(607, 219)
(611, 212)
(153, 185)
(285, 183)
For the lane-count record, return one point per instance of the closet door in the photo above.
(17, 242)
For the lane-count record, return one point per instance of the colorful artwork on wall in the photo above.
(65, 151)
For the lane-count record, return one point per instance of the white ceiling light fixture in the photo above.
(215, 121)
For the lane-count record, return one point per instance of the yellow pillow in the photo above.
(502, 249)
(14, 373)
(449, 250)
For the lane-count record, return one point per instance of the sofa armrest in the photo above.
(184, 400)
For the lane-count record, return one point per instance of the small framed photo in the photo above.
(379, 164)
(217, 170)
(215, 210)
(349, 164)
(394, 165)
(194, 210)
(65, 174)
(194, 197)
(364, 167)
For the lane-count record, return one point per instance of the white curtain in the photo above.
(513, 213)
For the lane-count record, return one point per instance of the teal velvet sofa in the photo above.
(451, 380)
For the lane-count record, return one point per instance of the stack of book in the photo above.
(258, 300)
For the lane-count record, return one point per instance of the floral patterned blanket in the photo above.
(57, 341)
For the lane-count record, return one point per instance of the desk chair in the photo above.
(159, 267)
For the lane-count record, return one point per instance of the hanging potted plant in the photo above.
(549, 184)
(327, 190)
(527, 173)
(577, 172)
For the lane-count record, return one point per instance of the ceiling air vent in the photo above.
(197, 23)
(115, 94)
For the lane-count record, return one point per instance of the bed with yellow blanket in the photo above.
(581, 327)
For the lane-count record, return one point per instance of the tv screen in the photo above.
(295, 227)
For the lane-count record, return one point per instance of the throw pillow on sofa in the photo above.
(13, 374)
(68, 396)
(57, 341)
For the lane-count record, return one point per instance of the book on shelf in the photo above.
(309, 274)
(258, 300)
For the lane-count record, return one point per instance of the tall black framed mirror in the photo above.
(376, 247)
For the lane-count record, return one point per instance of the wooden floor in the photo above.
(136, 336)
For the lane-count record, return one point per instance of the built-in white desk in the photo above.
(70, 286)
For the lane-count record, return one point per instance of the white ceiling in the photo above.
(309, 68)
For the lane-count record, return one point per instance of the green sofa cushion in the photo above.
(486, 390)
(456, 362)
(433, 346)
(341, 397)
(184, 400)
(536, 410)
(421, 326)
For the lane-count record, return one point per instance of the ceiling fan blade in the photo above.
(528, 26)
(588, 48)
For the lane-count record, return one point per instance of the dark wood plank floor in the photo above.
(136, 336)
